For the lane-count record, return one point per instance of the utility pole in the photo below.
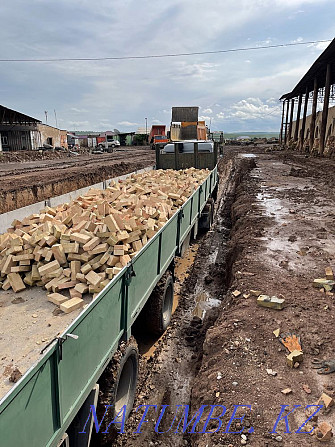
(146, 129)
(56, 118)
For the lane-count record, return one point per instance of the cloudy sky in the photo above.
(237, 91)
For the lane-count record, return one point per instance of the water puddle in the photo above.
(272, 207)
(212, 257)
(203, 303)
(248, 155)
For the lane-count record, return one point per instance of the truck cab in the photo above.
(158, 136)
(160, 141)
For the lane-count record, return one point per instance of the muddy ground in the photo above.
(273, 232)
(24, 183)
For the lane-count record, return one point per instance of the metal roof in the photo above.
(318, 71)
(10, 116)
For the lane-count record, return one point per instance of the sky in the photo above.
(237, 91)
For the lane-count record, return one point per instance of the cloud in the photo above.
(99, 94)
(205, 118)
(75, 109)
(321, 46)
(79, 123)
(127, 123)
(253, 109)
(200, 71)
(298, 40)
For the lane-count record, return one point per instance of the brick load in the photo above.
(80, 246)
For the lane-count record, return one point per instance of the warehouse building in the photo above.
(22, 132)
(313, 132)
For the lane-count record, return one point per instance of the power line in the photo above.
(156, 56)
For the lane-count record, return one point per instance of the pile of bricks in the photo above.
(80, 246)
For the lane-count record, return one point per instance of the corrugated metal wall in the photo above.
(17, 140)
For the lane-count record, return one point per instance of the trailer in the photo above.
(50, 404)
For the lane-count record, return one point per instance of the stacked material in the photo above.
(80, 246)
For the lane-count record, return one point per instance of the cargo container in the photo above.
(50, 404)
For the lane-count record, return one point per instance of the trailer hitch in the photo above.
(60, 341)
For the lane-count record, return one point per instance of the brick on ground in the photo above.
(71, 305)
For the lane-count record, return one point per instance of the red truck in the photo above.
(158, 136)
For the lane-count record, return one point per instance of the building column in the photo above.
(313, 119)
(325, 111)
(282, 124)
(291, 120)
(0, 143)
(286, 120)
(297, 122)
(303, 125)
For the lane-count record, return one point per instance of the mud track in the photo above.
(22, 184)
(273, 232)
(282, 238)
(168, 370)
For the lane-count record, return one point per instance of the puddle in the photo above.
(212, 257)
(203, 304)
(248, 155)
(272, 207)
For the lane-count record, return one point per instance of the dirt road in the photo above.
(273, 232)
(24, 183)
(282, 238)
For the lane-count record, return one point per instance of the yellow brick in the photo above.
(59, 254)
(57, 298)
(16, 282)
(71, 305)
(93, 278)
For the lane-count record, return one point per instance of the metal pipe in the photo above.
(325, 111)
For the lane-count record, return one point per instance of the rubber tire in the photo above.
(211, 202)
(158, 309)
(209, 208)
(121, 374)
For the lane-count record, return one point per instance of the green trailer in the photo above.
(49, 405)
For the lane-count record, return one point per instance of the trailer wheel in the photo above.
(118, 387)
(207, 216)
(158, 310)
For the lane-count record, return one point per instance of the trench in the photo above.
(169, 365)
(32, 183)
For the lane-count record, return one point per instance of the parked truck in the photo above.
(49, 405)
(158, 136)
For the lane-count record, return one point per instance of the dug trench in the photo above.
(169, 365)
(273, 233)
